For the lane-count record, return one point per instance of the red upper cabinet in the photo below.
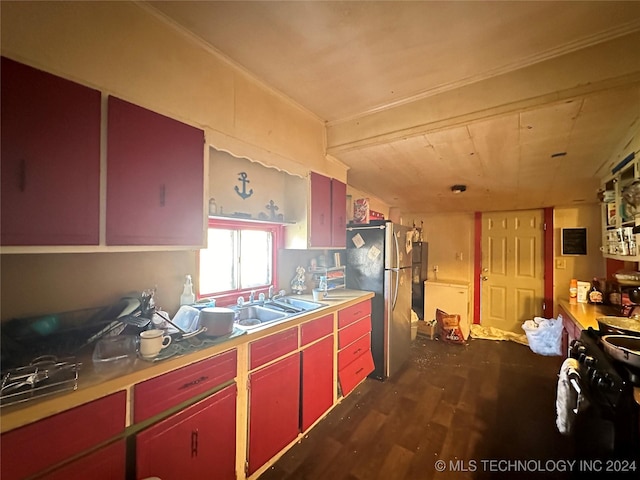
(155, 173)
(327, 223)
(338, 214)
(320, 218)
(50, 159)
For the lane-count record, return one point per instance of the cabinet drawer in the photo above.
(315, 329)
(160, 393)
(353, 351)
(353, 313)
(32, 448)
(355, 372)
(353, 332)
(266, 349)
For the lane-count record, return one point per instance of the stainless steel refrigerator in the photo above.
(378, 259)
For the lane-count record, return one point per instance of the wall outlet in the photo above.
(459, 256)
(561, 263)
(435, 268)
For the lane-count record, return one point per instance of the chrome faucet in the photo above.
(252, 296)
(240, 301)
(270, 292)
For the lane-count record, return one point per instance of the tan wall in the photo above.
(121, 49)
(448, 235)
(581, 267)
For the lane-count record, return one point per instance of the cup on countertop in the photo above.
(319, 294)
(151, 342)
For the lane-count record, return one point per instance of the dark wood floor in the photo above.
(488, 400)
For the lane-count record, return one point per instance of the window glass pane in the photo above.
(218, 262)
(255, 258)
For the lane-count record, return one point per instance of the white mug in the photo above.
(151, 342)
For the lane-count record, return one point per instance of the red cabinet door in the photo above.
(155, 171)
(107, 463)
(50, 151)
(274, 409)
(61, 436)
(317, 381)
(320, 215)
(197, 442)
(338, 214)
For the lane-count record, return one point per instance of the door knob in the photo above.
(485, 269)
(484, 278)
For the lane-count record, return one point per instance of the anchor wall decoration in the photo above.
(244, 194)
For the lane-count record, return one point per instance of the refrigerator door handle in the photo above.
(397, 270)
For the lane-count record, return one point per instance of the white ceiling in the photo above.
(421, 95)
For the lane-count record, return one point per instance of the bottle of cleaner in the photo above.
(187, 297)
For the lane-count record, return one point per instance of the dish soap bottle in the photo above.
(187, 297)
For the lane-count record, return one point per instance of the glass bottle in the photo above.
(595, 295)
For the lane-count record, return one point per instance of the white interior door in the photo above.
(512, 268)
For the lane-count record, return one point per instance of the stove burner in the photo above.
(43, 376)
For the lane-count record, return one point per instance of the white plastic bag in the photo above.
(544, 335)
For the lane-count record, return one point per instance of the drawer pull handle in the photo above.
(357, 351)
(194, 382)
(359, 370)
(194, 443)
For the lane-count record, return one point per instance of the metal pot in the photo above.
(619, 326)
(217, 320)
(625, 348)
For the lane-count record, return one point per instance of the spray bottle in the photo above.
(187, 297)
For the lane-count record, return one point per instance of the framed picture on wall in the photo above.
(574, 241)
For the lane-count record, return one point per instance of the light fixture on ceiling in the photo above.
(458, 188)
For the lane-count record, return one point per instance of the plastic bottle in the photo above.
(187, 297)
(573, 292)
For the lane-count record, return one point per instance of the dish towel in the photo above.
(569, 399)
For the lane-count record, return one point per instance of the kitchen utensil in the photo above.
(618, 325)
(217, 320)
(29, 381)
(625, 348)
(114, 353)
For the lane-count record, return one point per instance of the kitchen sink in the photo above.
(292, 305)
(255, 316)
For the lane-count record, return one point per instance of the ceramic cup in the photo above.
(319, 294)
(151, 342)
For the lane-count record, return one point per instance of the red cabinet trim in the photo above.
(32, 448)
(269, 348)
(317, 381)
(354, 350)
(355, 372)
(158, 394)
(316, 329)
(274, 409)
(353, 332)
(354, 313)
(197, 442)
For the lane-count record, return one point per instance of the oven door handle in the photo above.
(574, 379)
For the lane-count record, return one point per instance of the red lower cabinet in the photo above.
(107, 463)
(317, 381)
(274, 405)
(197, 442)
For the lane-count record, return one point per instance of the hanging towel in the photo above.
(569, 399)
